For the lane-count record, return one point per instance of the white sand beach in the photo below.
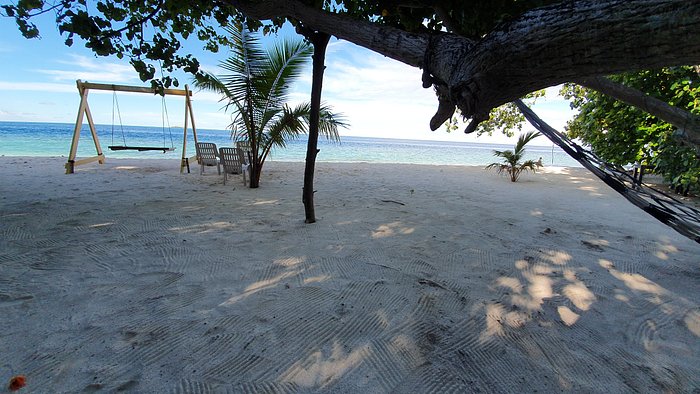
(415, 279)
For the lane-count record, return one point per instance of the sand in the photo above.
(130, 276)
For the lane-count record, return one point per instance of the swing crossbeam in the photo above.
(133, 89)
(84, 111)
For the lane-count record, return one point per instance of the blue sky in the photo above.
(379, 97)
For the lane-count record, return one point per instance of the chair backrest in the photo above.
(246, 154)
(206, 152)
(231, 160)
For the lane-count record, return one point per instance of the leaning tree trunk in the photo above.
(320, 42)
(688, 125)
(543, 47)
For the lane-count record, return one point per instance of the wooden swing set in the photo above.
(84, 110)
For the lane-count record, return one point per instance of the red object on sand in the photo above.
(17, 382)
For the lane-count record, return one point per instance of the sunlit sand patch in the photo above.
(259, 286)
(607, 264)
(540, 288)
(579, 295)
(192, 208)
(289, 262)
(665, 250)
(661, 255)
(557, 257)
(692, 321)
(317, 279)
(205, 227)
(567, 316)
(322, 369)
(668, 248)
(266, 202)
(494, 316)
(596, 243)
(521, 264)
(593, 190)
(391, 229)
(622, 297)
(98, 225)
(555, 170)
(542, 269)
(638, 282)
(515, 319)
(512, 283)
(347, 222)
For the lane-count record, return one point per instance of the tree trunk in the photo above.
(688, 125)
(255, 167)
(255, 171)
(320, 42)
(547, 46)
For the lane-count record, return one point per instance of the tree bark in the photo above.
(688, 125)
(255, 171)
(255, 168)
(544, 47)
(320, 42)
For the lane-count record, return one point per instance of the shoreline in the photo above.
(415, 278)
(545, 168)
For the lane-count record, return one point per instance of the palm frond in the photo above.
(245, 64)
(284, 65)
(330, 122)
(291, 123)
(511, 158)
(288, 124)
(256, 84)
(523, 140)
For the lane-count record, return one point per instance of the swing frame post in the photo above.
(84, 111)
(189, 115)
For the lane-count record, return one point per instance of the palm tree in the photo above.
(257, 88)
(511, 158)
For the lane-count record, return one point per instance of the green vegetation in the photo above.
(511, 158)
(506, 119)
(257, 88)
(622, 134)
(497, 51)
(149, 33)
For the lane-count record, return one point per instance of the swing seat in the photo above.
(141, 148)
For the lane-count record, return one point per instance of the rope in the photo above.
(668, 210)
(166, 118)
(115, 103)
(164, 113)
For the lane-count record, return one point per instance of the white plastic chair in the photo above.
(207, 155)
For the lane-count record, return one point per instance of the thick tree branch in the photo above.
(688, 124)
(544, 47)
(573, 40)
(391, 42)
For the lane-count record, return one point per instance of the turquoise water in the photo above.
(54, 139)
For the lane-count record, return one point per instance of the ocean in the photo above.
(54, 139)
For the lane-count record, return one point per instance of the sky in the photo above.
(379, 97)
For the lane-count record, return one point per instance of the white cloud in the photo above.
(90, 69)
(207, 96)
(378, 96)
(39, 87)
